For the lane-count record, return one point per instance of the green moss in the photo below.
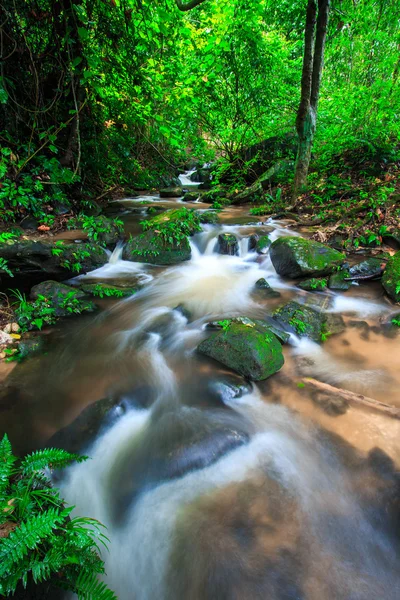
(297, 257)
(391, 277)
(313, 284)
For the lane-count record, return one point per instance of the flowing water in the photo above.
(210, 487)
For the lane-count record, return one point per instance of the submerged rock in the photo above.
(228, 244)
(391, 277)
(313, 285)
(150, 247)
(263, 285)
(171, 192)
(371, 268)
(297, 257)
(64, 299)
(246, 348)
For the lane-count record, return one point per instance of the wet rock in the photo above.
(201, 175)
(391, 277)
(392, 239)
(150, 247)
(253, 239)
(64, 299)
(294, 257)
(339, 281)
(263, 243)
(29, 223)
(190, 197)
(245, 348)
(228, 244)
(306, 321)
(61, 209)
(229, 389)
(209, 216)
(263, 285)
(371, 268)
(313, 285)
(181, 308)
(105, 290)
(38, 259)
(79, 434)
(171, 192)
(31, 344)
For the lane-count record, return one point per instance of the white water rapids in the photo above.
(248, 499)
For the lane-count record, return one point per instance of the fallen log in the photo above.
(353, 397)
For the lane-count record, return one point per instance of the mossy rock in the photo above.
(228, 244)
(306, 321)
(262, 245)
(297, 257)
(391, 277)
(208, 217)
(339, 280)
(313, 285)
(149, 247)
(246, 349)
(171, 192)
(103, 290)
(62, 298)
(190, 197)
(175, 215)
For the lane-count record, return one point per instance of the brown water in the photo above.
(278, 493)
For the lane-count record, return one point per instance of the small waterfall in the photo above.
(186, 181)
(116, 253)
(162, 376)
(244, 246)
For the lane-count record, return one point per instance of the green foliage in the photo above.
(97, 228)
(296, 321)
(33, 314)
(396, 320)
(4, 267)
(39, 541)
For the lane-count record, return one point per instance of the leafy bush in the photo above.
(39, 541)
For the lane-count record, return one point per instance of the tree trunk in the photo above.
(314, 46)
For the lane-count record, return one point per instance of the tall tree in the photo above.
(314, 45)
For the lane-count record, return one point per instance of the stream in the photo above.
(212, 487)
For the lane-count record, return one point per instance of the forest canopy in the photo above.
(100, 94)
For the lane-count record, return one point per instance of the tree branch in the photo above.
(188, 6)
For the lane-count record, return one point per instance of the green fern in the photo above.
(88, 587)
(53, 458)
(39, 541)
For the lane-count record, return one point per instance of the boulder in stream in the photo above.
(371, 268)
(64, 299)
(391, 277)
(294, 256)
(339, 280)
(306, 321)
(149, 247)
(245, 347)
(171, 192)
(190, 197)
(313, 284)
(228, 244)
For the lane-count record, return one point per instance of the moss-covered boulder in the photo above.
(297, 257)
(244, 347)
(171, 192)
(30, 258)
(64, 299)
(105, 290)
(228, 244)
(176, 221)
(150, 247)
(339, 280)
(262, 245)
(313, 284)
(306, 321)
(208, 217)
(391, 277)
(190, 197)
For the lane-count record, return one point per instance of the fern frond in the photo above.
(53, 458)
(88, 587)
(26, 537)
(7, 459)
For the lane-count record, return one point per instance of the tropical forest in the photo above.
(199, 299)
